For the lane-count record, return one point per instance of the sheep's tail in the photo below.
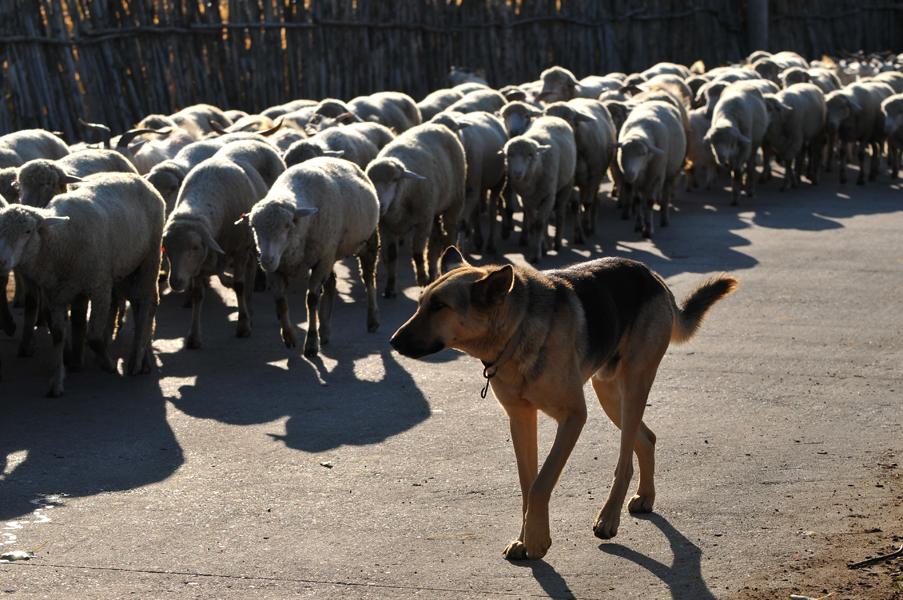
(689, 316)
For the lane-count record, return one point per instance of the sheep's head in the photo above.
(523, 159)
(794, 75)
(273, 224)
(307, 149)
(512, 93)
(517, 117)
(9, 187)
(633, 156)
(388, 176)
(8, 158)
(167, 177)
(767, 69)
(187, 245)
(21, 230)
(557, 84)
(841, 107)
(726, 144)
(40, 180)
(893, 118)
(619, 112)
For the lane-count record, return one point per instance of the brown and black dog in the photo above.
(541, 335)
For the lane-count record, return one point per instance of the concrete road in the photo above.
(243, 471)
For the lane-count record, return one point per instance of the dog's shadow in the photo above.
(684, 575)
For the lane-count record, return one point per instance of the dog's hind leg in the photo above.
(610, 398)
(632, 403)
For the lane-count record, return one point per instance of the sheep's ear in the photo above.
(347, 117)
(244, 218)
(211, 243)
(334, 153)
(451, 259)
(305, 211)
(543, 148)
(406, 174)
(492, 289)
(67, 179)
(582, 118)
(51, 222)
(656, 150)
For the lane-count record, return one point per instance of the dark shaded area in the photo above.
(684, 575)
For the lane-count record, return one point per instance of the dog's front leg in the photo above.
(536, 537)
(523, 435)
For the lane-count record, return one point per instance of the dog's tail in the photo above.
(689, 316)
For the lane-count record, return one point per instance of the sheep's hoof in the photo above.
(56, 389)
(106, 364)
(311, 350)
(860, 181)
(289, 339)
(243, 330)
(193, 343)
(9, 328)
(372, 325)
(389, 293)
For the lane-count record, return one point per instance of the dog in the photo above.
(541, 335)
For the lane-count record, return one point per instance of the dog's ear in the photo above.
(451, 259)
(492, 289)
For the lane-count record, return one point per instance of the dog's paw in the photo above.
(606, 525)
(641, 503)
(516, 550)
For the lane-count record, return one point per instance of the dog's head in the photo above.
(456, 310)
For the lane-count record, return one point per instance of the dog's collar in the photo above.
(490, 369)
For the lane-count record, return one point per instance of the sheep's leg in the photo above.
(196, 292)
(476, 230)
(495, 203)
(27, 343)
(314, 288)
(78, 322)
(577, 206)
(841, 163)
(665, 204)
(524, 240)
(766, 165)
(57, 322)
(563, 202)
(862, 155)
(101, 303)
(831, 142)
(418, 252)
(278, 284)
(894, 161)
(327, 301)
(390, 259)
(751, 176)
(508, 213)
(876, 161)
(439, 241)
(625, 200)
(648, 222)
(242, 283)
(367, 258)
(7, 323)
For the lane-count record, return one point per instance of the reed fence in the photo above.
(118, 60)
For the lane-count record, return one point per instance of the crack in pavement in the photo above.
(297, 580)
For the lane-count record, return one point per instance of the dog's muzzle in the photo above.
(403, 343)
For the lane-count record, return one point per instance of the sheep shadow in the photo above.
(107, 433)
(354, 393)
(684, 575)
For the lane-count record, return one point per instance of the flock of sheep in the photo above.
(294, 189)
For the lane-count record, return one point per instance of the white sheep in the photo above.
(40, 180)
(483, 137)
(796, 130)
(342, 142)
(317, 213)
(892, 109)
(481, 100)
(20, 147)
(594, 134)
(854, 117)
(437, 101)
(97, 243)
(540, 166)
(202, 237)
(652, 146)
(739, 123)
(420, 180)
(559, 84)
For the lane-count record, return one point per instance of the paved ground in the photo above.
(779, 438)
